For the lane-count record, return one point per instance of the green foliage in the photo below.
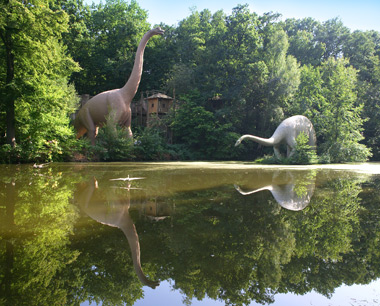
(201, 133)
(303, 40)
(38, 99)
(327, 96)
(249, 73)
(104, 42)
(342, 126)
(112, 142)
(362, 50)
(150, 145)
(56, 252)
(346, 151)
(304, 153)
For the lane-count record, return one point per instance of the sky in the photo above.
(355, 14)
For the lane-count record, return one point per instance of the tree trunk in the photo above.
(9, 94)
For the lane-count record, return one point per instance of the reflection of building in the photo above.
(154, 105)
(155, 210)
(152, 207)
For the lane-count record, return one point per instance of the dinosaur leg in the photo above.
(128, 128)
(291, 148)
(81, 131)
(89, 125)
(128, 123)
(130, 134)
(290, 151)
(277, 152)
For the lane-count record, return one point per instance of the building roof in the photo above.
(160, 96)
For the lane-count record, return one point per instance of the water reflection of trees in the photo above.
(36, 219)
(241, 249)
(215, 242)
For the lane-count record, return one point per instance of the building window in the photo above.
(152, 105)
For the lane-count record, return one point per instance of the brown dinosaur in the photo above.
(94, 113)
(112, 209)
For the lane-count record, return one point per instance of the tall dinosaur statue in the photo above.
(93, 114)
(286, 133)
(114, 211)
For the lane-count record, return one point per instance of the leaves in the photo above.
(250, 72)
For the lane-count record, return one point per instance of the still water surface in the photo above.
(180, 233)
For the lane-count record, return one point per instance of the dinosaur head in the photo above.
(237, 142)
(157, 31)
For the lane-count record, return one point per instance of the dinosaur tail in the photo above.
(262, 141)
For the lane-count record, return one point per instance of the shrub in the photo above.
(346, 151)
(112, 142)
(304, 153)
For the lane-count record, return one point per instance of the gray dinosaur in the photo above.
(285, 188)
(286, 133)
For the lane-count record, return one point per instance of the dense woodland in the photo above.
(231, 74)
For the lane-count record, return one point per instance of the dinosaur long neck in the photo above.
(129, 230)
(130, 88)
(262, 141)
(268, 187)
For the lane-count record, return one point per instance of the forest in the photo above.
(230, 75)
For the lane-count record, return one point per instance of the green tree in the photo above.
(203, 135)
(327, 95)
(362, 50)
(282, 80)
(36, 96)
(343, 126)
(332, 34)
(302, 40)
(239, 66)
(304, 153)
(106, 44)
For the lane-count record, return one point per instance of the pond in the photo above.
(176, 233)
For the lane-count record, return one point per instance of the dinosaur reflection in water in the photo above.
(114, 211)
(291, 191)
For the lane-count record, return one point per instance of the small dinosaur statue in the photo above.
(286, 133)
(93, 114)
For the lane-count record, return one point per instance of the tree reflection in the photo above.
(242, 249)
(209, 241)
(36, 219)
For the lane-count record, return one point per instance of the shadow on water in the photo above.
(231, 232)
